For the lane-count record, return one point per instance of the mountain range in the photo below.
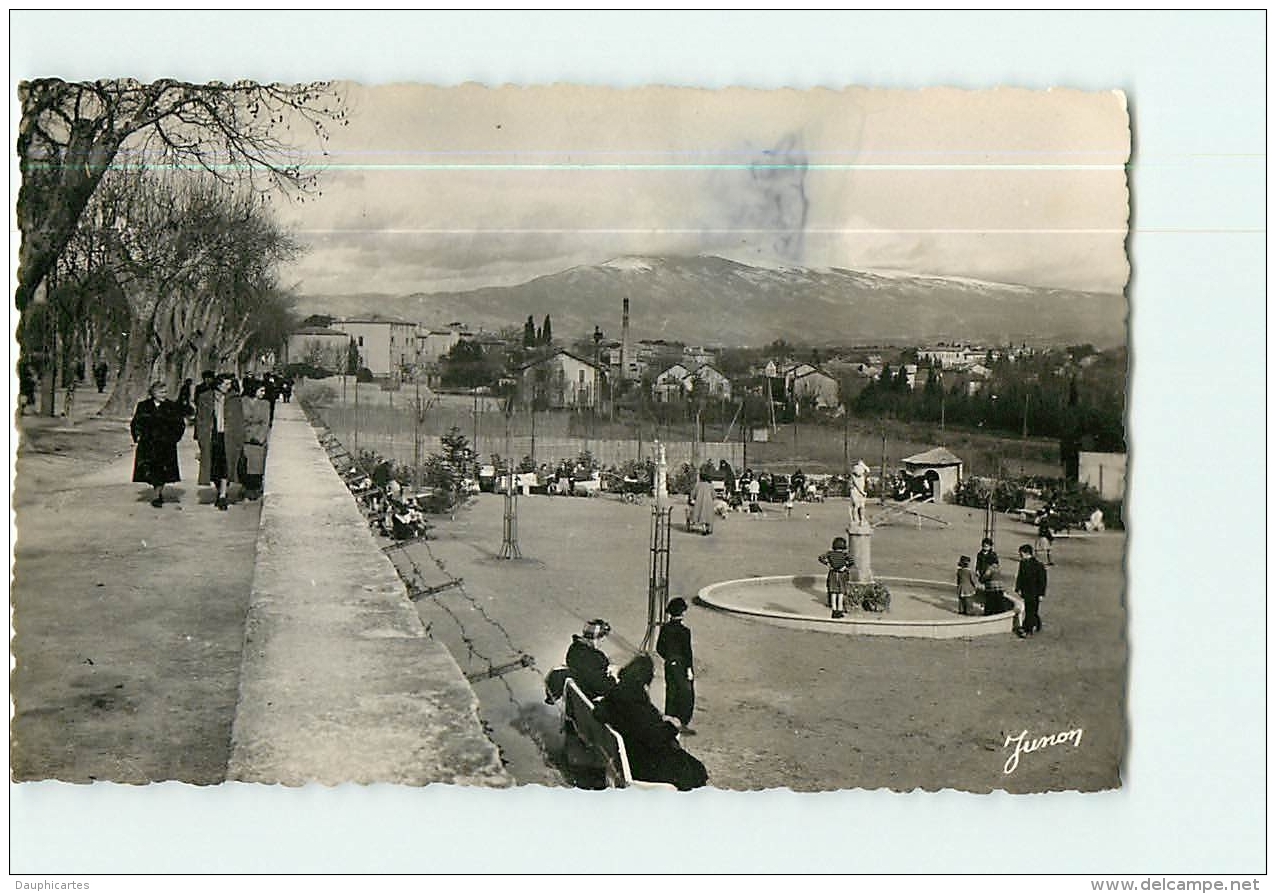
(713, 301)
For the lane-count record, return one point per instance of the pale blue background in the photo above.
(1195, 779)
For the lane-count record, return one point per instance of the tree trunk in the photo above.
(134, 380)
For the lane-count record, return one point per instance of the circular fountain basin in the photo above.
(919, 608)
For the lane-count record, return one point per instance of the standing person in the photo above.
(156, 428)
(967, 586)
(285, 390)
(797, 486)
(219, 428)
(701, 499)
(1045, 537)
(994, 592)
(985, 557)
(256, 437)
(68, 403)
(100, 372)
(587, 663)
(674, 646)
(728, 478)
(651, 742)
(755, 488)
(272, 393)
(838, 580)
(1030, 585)
(207, 382)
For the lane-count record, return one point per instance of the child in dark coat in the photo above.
(674, 646)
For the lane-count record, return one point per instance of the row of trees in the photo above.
(147, 231)
(1047, 394)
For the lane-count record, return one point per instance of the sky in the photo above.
(451, 188)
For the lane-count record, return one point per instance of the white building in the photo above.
(387, 346)
(673, 384)
(1105, 472)
(433, 344)
(562, 381)
(325, 349)
(713, 383)
(805, 381)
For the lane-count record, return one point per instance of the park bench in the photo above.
(601, 739)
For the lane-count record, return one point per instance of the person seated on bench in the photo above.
(651, 741)
(587, 664)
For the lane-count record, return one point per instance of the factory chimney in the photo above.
(624, 341)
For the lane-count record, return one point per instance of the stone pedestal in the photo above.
(859, 544)
(662, 475)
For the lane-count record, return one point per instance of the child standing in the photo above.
(966, 585)
(839, 563)
(1045, 538)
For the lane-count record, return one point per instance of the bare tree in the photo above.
(196, 262)
(71, 134)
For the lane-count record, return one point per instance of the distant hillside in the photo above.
(709, 300)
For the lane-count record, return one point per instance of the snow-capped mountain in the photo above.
(712, 300)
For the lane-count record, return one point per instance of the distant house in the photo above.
(910, 375)
(672, 384)
(804, 381)
(695, 355)
(957, 356)
(387, 345)
(433, 344)
(713, 383)
(322, 348)
(561, 381)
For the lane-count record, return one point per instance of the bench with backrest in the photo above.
(601, 739)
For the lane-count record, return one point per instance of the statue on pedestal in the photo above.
(859, 492)
(662, 474)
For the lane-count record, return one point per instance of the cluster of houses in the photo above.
(397, 349)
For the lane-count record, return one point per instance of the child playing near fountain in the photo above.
(839, 563)
(967, 586)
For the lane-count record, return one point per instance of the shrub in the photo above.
(1072, 506)
(1006, 495)
(363, 375)
(305, 371)
(683, 480)
(585, 459)
(872, 597)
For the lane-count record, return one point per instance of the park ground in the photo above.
(129, 625)
(801, 709)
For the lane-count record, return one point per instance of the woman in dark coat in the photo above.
(650, 741)
(728, 477)
(219, 428)
(156, 428)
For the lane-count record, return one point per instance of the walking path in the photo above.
(340, 682)
(144, 637)
(128, 620)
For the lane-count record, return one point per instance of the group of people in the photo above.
(1029, 590)
(232, 425)
(652, 739)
